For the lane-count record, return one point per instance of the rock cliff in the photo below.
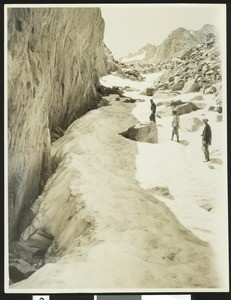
(55, 57)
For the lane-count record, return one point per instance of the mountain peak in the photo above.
(176, 43)
(179, 30)
(208, 27)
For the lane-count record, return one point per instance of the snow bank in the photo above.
(199, 189)
(134, 238)
(113, 80)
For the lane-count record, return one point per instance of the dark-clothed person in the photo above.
(153, 114)
(206, 139)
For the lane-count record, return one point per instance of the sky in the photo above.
(130, 27)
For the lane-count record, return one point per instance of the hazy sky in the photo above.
(130, 27)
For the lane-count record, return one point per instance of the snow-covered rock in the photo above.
(142, 133)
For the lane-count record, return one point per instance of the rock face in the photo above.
(55, 57)
(142, 133)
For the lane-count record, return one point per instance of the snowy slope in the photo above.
(112, 229)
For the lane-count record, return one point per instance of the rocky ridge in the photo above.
(174, 45)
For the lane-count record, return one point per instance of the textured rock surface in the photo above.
(186, 108)
(54, 59)
(199, 69)
(19, 270)
(176, 43)
(142, 133)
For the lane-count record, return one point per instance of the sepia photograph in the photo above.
(115, 148)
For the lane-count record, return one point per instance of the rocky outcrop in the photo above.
(186, 108)
(142, 132)
(55, 57)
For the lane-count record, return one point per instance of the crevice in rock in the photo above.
(56, 133)
(18, 25)
(63, 86)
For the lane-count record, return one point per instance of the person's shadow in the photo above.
(216, 161)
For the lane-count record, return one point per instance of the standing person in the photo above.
(206, 139)
(175, 125)
(153, 109)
